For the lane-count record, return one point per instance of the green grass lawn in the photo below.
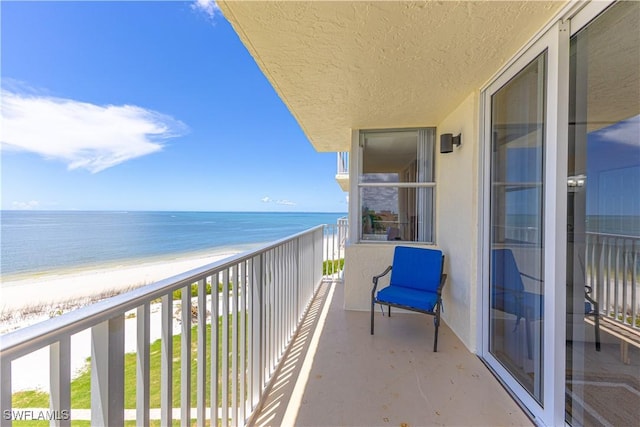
(81, 386)
(330, 267)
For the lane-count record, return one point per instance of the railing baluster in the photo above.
(214, 348)
(225, 347)
(107, 372)
(5, 391)
(634, 285)
(185, 357)
(300, 273)
(201, 378)
(143, 368)
(242, 289)
(590, 263)
(625, 268)
(166, 361)
(234, 347)
(280, 295)
(280, 285)
(270, 324)
(60, 380)
(276, 312)
(257, 323)
(616, 273)
(288, 293)
(608, 281)
(598, 261)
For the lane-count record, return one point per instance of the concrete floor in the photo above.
(337, 374)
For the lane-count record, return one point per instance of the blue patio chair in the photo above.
(415, 284)
(509, 295)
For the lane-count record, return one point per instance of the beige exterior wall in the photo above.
(457, 230)
(457, 219)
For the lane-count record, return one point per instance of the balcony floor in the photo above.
(337, 374)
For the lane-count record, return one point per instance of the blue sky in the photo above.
(147, 106)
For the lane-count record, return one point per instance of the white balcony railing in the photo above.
(343, 163)
(612, 270)
(262, 297)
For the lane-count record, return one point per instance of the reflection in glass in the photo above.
(603, 222)
(517, 255)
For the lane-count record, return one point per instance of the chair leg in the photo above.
(373, 303)
(597, 329)
(436, 323)
(389, 311)
(528, 338)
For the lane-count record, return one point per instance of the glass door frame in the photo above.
(554, 39)
(555, 42)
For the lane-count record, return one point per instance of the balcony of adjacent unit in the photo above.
(342, 174)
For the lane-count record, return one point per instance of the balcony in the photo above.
(293, 352)
(295, 356)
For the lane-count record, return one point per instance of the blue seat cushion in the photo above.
(410, 297)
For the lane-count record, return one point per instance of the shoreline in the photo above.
(51, 289)
(124, 262)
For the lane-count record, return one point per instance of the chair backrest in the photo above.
(505, 273)
(417, 268)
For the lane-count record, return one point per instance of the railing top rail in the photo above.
(620, 236)
(23, 341)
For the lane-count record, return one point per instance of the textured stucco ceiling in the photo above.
(372, 65)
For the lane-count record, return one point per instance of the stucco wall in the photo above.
(457, 221)
(457, 230)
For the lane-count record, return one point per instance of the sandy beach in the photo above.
(33, 299)
(83, 284)
(56, 290)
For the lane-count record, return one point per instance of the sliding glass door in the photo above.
(603, 221)
(561, 219)
(516, 291)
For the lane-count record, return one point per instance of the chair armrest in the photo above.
(443, 279)
(589, 298)
(531, 277)
(375, 280)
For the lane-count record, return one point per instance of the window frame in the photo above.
(356, 169)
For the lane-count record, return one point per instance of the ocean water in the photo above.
(621, 225)
(44, 241)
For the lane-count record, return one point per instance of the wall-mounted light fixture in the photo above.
(447, 141)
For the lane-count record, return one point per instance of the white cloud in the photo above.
(209, 7)
(624, 132)
(81, 134)
(285, 202)
(33, 204)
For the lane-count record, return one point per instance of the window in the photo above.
(396, 186)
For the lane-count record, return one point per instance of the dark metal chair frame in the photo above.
(434, 312)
